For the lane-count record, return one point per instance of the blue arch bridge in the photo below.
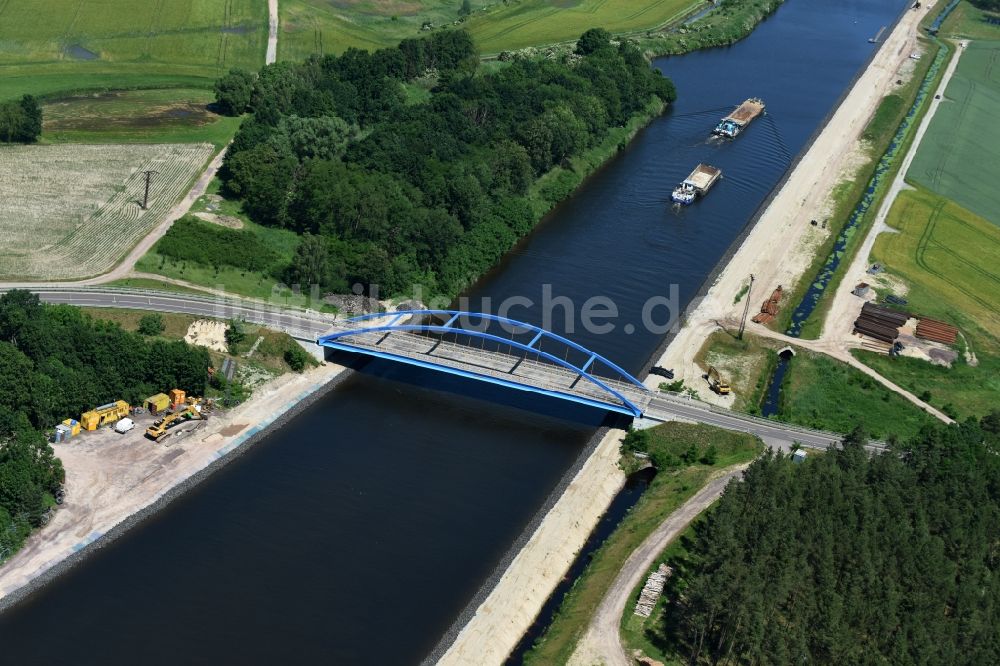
(493, 349)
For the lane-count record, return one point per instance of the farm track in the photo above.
(921, 260)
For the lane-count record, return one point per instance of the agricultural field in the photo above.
(946, 257)
(172, 115)
(957, 157)
(322, 26)
(59, 46)
(73, 211)
(971, 23)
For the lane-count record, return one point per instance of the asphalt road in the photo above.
(308, 325)
(299, 324)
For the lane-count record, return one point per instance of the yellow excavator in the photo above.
(192, 412)
(717, 381)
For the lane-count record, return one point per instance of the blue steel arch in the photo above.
(454, 315)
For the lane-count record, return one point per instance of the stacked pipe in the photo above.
(879, 322)
(936, 331)
(769, 310)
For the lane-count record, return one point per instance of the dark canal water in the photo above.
(358, 532)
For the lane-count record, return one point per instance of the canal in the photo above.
(357, 533)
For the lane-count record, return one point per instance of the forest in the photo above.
(55, 363)
(849, 558)
(988, 5)
(413, 165)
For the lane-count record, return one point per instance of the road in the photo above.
(303, 325)
(602, 642)
(308, 326)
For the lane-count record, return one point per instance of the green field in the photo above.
(957, 157)
(54, 46)
(170, 115)
(946, 255)
(970, 22)
(823, 393)
(321, 26)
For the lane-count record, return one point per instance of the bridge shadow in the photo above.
(452, 387)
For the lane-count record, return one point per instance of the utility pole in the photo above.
(145, 198)
(746, 309)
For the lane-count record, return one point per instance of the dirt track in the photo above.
(602, 643)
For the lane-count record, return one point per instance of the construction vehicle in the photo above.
(104, 415)
(192, 412)
(717, 381)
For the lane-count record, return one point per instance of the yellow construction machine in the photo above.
(191, 412)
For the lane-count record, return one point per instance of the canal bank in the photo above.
(777, 246)
(400, 479)
(515, 600)
(81, 528)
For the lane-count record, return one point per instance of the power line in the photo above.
(149, 178)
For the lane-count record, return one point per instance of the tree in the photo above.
(593, 40)
(235, 334)
(465, 9)
(151, 324)
(20, 120)
(233, 92)
(311, 262)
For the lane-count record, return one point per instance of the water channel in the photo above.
(358, 532)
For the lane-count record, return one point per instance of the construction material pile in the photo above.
(936, 331)
(652, 590)
(769, 310)
(880, 323)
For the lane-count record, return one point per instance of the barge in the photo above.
(696, 184)
(737, 121)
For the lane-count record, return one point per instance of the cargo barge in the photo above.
(696, 184)
(737, 121)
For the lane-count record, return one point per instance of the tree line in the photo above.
(849, 558)
(398, 189)
(988, 5)
(20, 120)
(56, 363)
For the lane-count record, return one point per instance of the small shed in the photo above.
(155, 404)
(177, 397)
(73, 425)
(862, 289)
(798, 455)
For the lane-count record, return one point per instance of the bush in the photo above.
(296, 357)
(190, 239)
(151, 324)
(235, 334)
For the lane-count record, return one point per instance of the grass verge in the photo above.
(820, 392)
(670, 488)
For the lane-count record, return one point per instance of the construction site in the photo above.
(158, 418)
(899, 333)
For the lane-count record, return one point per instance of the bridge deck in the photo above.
(491, 364)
